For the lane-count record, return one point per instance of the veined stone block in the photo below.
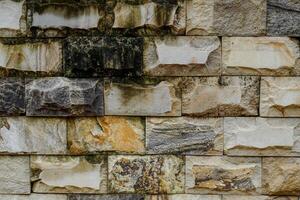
(59, 96)
(280, 97)
(223, 175)
(33, 135)
(12, 96)
(69, 174)
(183, 197)
(103, 56)
(107, 197)
(14, 175)
(142, 98)
(184, 135)
(220, 96)
(283, 17)
(281, 176)
(109, 133)
(245, 197)
(34, 197)
(30, 57)
(250, 136)
(146, 174)
(226, 17)
(261, 56)
(182, 56)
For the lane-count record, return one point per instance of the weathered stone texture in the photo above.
(146, 174)
(261, 56)
(34, 197)
(182, 56)
(58, 96)
(223, 175)
(14, 175)
(67, 174)
(184, 135)
(280, 97)
(107, 197)
(254, 197)
(226, 17)
(109, 133)
(103, 56)
(220, 96)
(183, 197)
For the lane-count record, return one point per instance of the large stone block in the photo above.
(220, 96)
(254, 197)
(69, 174)
(58, 96)
(261, 56)
(146, 174)
(223, 175)
(107, 197)
(226, 17)
(184, 135)
(280, 97)
(34, 197)
(183, 197)
(182, 56)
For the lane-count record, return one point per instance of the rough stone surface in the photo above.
(185, 135)
(220, 96)
(103, 56)
(14, 175)
(283, 17)
(183, 197)
(240, 197)
(107, 197)
(280, 97)
(226, 17)
(12, 92)
(58, 96)
(67, 174)
(281, 176)
(146, 174)
(34, 197)
(182, 56)
(109, 133)
(261, 56)
(142, 98)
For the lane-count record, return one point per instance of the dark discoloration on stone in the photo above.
(12, 96)
(106, 197)
(103, 56)
(64, 97)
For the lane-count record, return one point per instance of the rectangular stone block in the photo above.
(250, 136)
(69, 174)
(226, 17)
(281, 176)
(59, 96)
(182, 56)
(148, 97)
(12, 96)
(184, 135)
(103, 56)
(280, 97)
(146, 174)
(183, 197)
(223, 175)
(220, 96)
(261, 56)
(283, 17)
(34, 197)
(106, 197)
(14, 175)
(19, 57)
(261, 197)
(106, 134)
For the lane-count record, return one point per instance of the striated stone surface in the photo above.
(58, 96)
(182, 56)
(240, 197)
(18, 57)
(261, 56)
(280, 97)
(220, 96)
(109, 133)
(283, 17)
(223, 175)
(261, 136)
(14, 175)
(34, 197)
(185, 135)
(12, 94)
(226, 17)
(107, 197)
(103, 56)
(67, 174)
(281, 176)
(153, 98)
(183, 197)
(146, 174)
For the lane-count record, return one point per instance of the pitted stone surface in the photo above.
(107, 197)
(34, 197)
(183, 197)
(255, 197)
